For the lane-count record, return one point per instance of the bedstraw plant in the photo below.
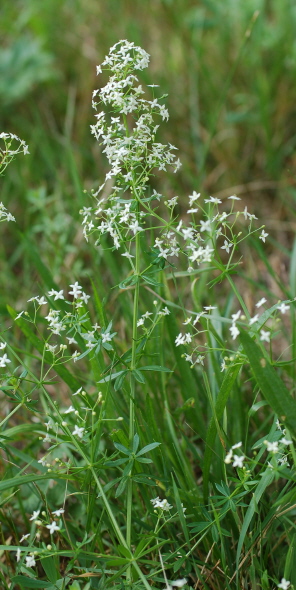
(154, 416)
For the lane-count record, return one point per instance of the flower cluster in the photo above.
(129, 143)
(52, 527)
(237, 460)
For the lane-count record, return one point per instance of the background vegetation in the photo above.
(230, 75)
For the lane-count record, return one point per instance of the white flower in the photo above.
(163, 504)
(78, 431)
(254, 319)
(227, 246)
(76, 290)
(59, 512)
(237, 445)
(264, 336)
(263, 300)
(272, 447)
(235, 316)
(228, 457)
(178, 583)
(4, 360)
(234, 331)
(193, 198)
(205, 225)
(56, 294)
(238, 461)
(2, 345)
(78, 391)
(135, 227)
(24, 537)
(69, 410)
(263, 235)
(19, 315)
(18, 555)
(283, 307)
(284, 584)
(180, 339)
(213, 200)
(234, 198)
(285, 441)
(127, 255)
(30, 561)
(52, 527)
(35, 515)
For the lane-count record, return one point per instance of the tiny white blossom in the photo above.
(213, 200)
(52, 527)
(4, 360)
(264, 336)
(227, 246)
(237, 445)
(238, 461)
(30, 561)
(228, 457)
(285, 441)
(78, 431)
(283, 307)
(24, 537)
(261, 302)
(59, 512)
(272, 447)
(76, 290)
(254, 319)
(263, 235)
(35, 515)
(69, 410)
(163, 504)
(178, 583)
(2, 345)
(78, 391)
(235, 316)
(18, 555)
(284, 584)
(234, 331)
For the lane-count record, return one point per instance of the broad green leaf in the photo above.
(271, 385)
(49, 566)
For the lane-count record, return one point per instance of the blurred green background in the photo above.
(231, 84)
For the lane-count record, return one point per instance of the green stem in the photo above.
(132, 398)
(11, 414)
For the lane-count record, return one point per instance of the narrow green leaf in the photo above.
(138, 376)
(148, 448)
(31, 582)
(221, 401)
(266, 479)
(156, 368)
(272, 387)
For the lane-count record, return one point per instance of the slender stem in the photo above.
(132, 396)
(11, 414)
